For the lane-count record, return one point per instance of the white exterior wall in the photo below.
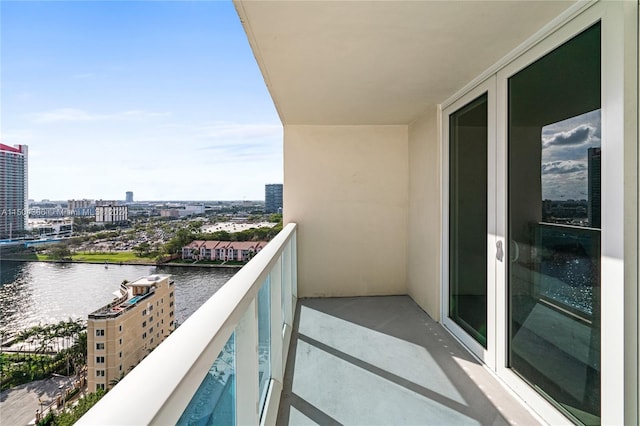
(347, 189)
(424, 212)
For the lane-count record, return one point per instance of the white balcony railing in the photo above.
(226, 362)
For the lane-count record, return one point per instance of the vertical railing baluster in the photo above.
(276, 322)
(286, 285)
(247, 394)
(294, 267)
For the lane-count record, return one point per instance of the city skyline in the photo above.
(160, 98)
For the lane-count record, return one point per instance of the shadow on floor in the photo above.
(383, 361)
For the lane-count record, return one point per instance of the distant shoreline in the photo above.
(107, 263)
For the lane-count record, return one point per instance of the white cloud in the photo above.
(563, 167)
(239, 131)
(576, 136)
(16, 137)
(79, 115)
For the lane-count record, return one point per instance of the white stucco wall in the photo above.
(424, 213)
(347, 188)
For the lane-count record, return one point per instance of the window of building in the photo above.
(99, 360)
(99, 373)
(120, 355)
(171, 313)
(99, 332)
(170, 304)
(151, 330)
(150, 308)
(120, 368)
(144, 335)
(119, 341)
(144, 312)
(144, 323)
(171, 294)
(150, 318)
(99, 346)
(151, 341)
(99, 386)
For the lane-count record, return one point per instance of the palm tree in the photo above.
(115, 381)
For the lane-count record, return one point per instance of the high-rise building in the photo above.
(122, 333)
(593, 204)
(82, 207)
(79, 204)
(112, 213)
(129, 197)
(107, 203)
(273, 198)
(13, 190)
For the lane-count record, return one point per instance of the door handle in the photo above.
(499, 251)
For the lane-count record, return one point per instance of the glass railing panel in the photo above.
(215, 400)
(264, 339)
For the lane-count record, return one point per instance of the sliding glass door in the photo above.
(471, 194)
(554, 218)
(532, 230)
(468, 218)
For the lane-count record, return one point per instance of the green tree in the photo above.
(195, 225)
(275, 218)
(59, 252)
(70, 416)
(142, 249)
(181, 239)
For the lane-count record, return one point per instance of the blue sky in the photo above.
(162, 98)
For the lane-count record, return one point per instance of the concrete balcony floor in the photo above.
(384, 361)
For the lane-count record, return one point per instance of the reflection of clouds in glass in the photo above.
(562, 167)
(564, 170)
(592, 119)
(576, 136)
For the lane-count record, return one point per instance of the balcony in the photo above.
(382, 360)
(359, 360)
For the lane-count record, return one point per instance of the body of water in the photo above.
(39, 292)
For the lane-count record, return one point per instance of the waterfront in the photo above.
(43, 292)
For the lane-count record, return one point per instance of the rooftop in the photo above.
(127, 299)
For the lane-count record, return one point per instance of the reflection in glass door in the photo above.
(554, 186)
(468, 218)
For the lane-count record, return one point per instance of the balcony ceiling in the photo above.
(380, 62)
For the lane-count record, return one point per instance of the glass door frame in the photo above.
(616, 137)
(612, 236)
(486, 355)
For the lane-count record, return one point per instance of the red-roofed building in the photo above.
(192, 250)
(240, 251)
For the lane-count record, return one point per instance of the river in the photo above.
(42, 292)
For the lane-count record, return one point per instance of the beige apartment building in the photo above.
(122, 333)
